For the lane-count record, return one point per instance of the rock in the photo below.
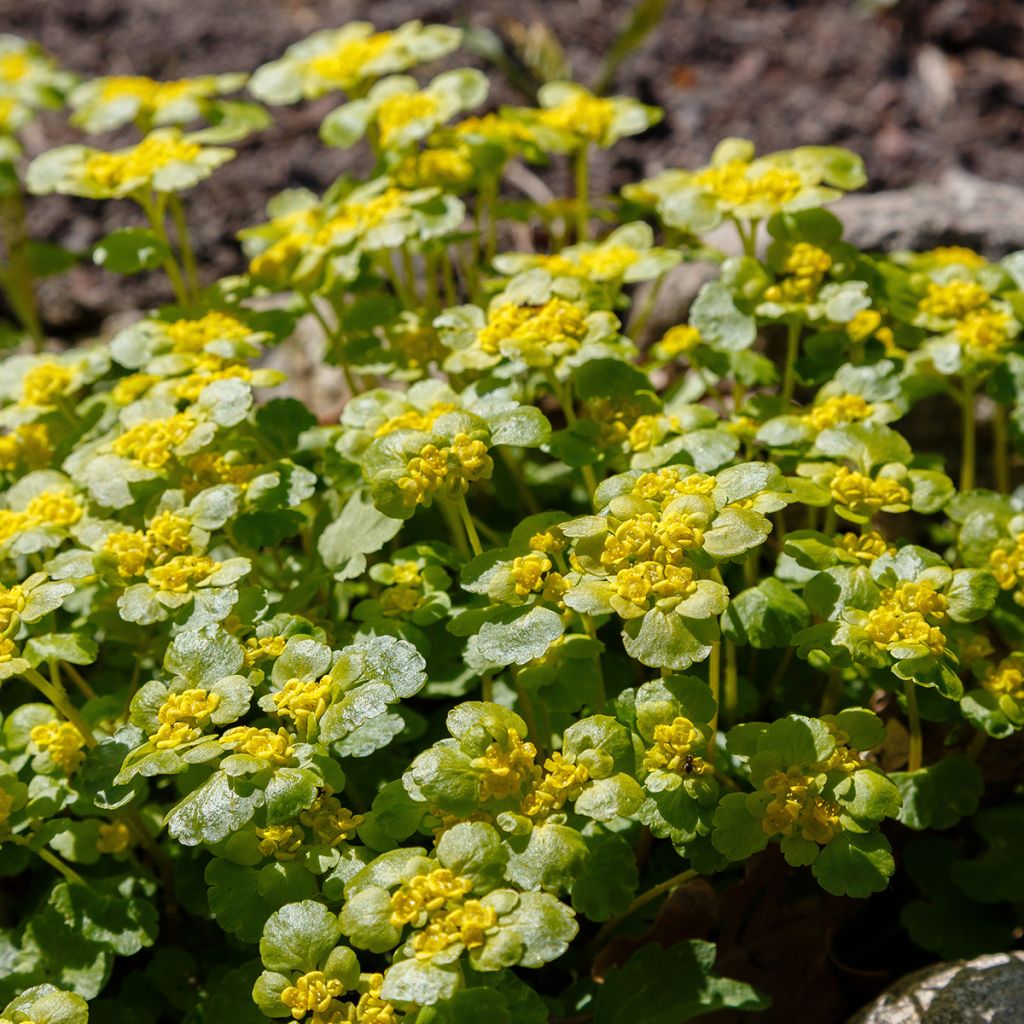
(986, 990)
(958, 209)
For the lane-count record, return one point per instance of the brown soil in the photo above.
(923, 86)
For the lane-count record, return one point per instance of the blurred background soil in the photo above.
(918, 88)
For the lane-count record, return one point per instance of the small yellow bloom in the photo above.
(192, 336)
(183, 716)
(677, 341)
(674, 746)
(586, 118)
(985, 332)
(28, 444)
(313, 992)
(258, 648)
(132, 168)
(507, 768)
(12, 601)
(864, 496)
(837, 410)
(953, 300)
(62, 741)
(273, 747)
(865, 547)
(45, 383)
(528, 573)
(54, 508)
(331, 823)
(561, 783)
(736, 184)
(181, 573)
(301, 701)
(114, 837)
(282, 842)
(864, 323)
(415, 419)
(151, 441)
(1007, 678)
(536, 334)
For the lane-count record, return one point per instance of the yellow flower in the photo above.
(677, 341)
(313, 992)
(1008, 567)
(257, 648)
(12, 601)
(448, 469)
(806, 260)
(836, 410)
(415, 419)
(947, 254)
(114, 837)
(62, 741)
(891, 626)
(129, 388)
(46, 382)
(282, 842)
(130, 168)
(507, 767)
(171, 532)
(330, 821)
(28, 444)
(301, 701)
(864, 323)
(1007, 678)
(865, 547)
(985, 331)
(560, 783)
(346, 66)
(674, 746)
(209, 468)
(798, 809)
(536, 334)
(648, 583)
(548, 543)
(953, 300)
(8, 650)
(864, 496)
(273, 747)
(446, 167)
(192, 336)
(54, 508)
(736, 184)
(665, 484)
(528, 573)
(400, 110)
(178, 575)
(183, 716)
(14, 66)
(132, 550)
(371, 1009)
(151, 441)
(586, 118)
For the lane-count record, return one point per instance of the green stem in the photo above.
(641, 901)
(54, 861)
(581, 169)
(792, 354)
(516, 472)
(19, 280)
(333, 342)
(715, 682)
(1001, 444)
(451, 295)
(469, 526)
(154, 214)
(590, 628)
(78, 679)
(58, 697)
(731, 694)
(188, 256)
(914, 758)
(968, 433)
(564, 397)
(638, 323)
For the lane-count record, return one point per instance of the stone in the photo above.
(986, 990)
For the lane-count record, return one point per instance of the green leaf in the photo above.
(130, 251)
(668, 986)
(609, 877)
(360, 530)
(299, 936)
(737, 833)
(71, 647)
(521, 640)
(854, 865)
(765, 616)
(941, 794)
(214, 810)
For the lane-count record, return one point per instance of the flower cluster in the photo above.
(548, 614)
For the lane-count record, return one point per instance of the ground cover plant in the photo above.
(419, 712)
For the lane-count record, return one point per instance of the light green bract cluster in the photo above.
(430, 694)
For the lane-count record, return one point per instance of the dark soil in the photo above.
(922, 86)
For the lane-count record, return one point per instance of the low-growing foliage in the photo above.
(403, 715)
